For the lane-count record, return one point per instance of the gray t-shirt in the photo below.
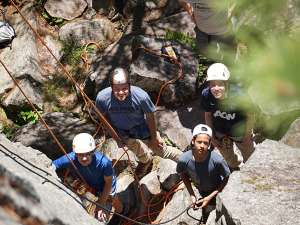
(210, 19)
(207, 175)
(128, 116)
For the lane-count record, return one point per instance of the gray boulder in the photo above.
(292, 137)
(66, 9)
(31, 193)
(178, 124)
(22, 60)
(179, 204)
(149, 188)
(64, 125)
(48, 63)
(150, 10)
(89, 30)
(127, 192)
(150, 71)
(114, 153)
(15, 100)
(167, 174)
(266, 189)
(179, 22)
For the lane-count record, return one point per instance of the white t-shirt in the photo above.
(208, 18)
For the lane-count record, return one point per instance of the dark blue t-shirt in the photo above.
(228, 115)
(128, 116)
(94, 173)
(207, 175)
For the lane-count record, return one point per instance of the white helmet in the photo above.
(83, 143)
(119, 76)
(202, 129)
(218, 71)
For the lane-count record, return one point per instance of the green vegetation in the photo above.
(52, 21)
(9, 130)
(72, 52)
(28, 116)
(56, 88)
(269, 30)
(184, 39)
(181, 38)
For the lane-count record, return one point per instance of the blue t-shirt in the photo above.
(94, 173)
(228, 115)
(207, 175)
(128, 116)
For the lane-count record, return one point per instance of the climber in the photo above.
(97, 172)
(130, 111)
(205, 168)
(212, 25)
(228, 113)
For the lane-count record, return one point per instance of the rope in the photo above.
(99, 114)
(44, 122)
(199, 220)
(70, 77)
(134, 221)
(172, 60)
(84, 54)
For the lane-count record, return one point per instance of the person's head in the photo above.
(84, 146)
(201, 140)
(120, 84)
(217, 76)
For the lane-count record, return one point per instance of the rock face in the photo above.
(150, 10)
(15, 99)
(31, 194)
(48, 62)
(64, 125)
(292, 137)
(167, 174)
(265, 191)
(180, 22)
(22, 60)
(178, 124)
(150, 71)
(89, 30)
(180, 201)
(66, 9)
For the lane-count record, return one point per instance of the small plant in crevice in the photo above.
(52, 21)
(181, 38)
(72, 51)
(9, 130)
(27, 116)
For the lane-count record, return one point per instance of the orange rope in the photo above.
(69, 76)
(86, 98)
(173, 60)
(44, 122)
(84, 55)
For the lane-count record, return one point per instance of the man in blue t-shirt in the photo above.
(225, 113)
(130, 111)
(96, 170)
(206, 169)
